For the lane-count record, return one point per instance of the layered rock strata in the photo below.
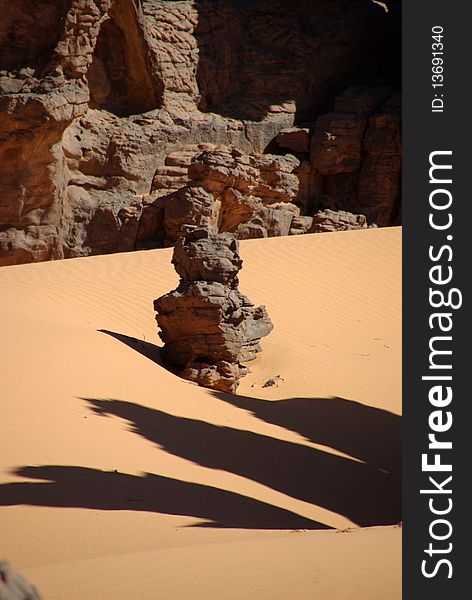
(208, 327)
(347, 161)
(258, 195)
(330, 220)
(224, 190)
(350, 158)
(95, 94)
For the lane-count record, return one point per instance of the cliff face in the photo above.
(100, 98)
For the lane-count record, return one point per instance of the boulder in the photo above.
(208, 327)
(229, 189)
(300, 225)
(340, 220)
(190, 206)
(13, 586)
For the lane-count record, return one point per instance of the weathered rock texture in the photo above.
(348, 162)
(208, 327)
(330, 220)
(95, 94)
(13, 586)
(222, 189)
(356, 153)
(354, 161)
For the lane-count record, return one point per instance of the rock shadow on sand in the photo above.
(81, 487)
(362, 492)
(150, 351)
(370, 434)
(365, 489)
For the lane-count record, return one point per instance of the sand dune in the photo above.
(118, 479)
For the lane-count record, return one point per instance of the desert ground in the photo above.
(121, 480)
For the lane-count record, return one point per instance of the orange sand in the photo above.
(119, 480)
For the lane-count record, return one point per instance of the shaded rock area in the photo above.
(208, 327)
(354, 158)
(13, 586)
(97, 96)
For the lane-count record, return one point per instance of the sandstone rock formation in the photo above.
(13, 586)
(380, 175)
(95, 94)
(225, 190)
(208, 327)
(348, 162)
(354, 159)
(330, 220)
(295, 139)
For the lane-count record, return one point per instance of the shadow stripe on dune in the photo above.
(81, 487)
(150, 351)
(366, 495)
(370, 434)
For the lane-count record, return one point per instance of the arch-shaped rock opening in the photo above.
(121, 78)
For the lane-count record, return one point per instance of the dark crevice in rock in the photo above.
(120, 76)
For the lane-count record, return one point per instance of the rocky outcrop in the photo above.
(208, 327)
(13, 586)
(348, 162)
(94, 95)
(353, 162)
(232, 191)
(295, 139)
(330, 220)
(380, 175)
(222, 189)
(336, 144)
